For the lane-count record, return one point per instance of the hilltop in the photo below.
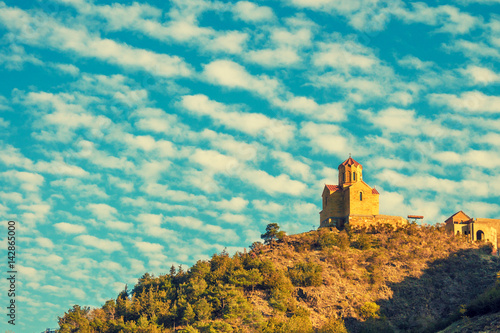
(412, 279)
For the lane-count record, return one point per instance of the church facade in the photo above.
(352, 201)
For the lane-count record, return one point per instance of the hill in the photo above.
(413, 279)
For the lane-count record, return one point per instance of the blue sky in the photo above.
(137, 135)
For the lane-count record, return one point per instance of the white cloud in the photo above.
(345, 56)
(479, 209)
(150, 219)
(70, 228)
(410, 61)
(305, 208)
(45, 31)
(67, 68)
(105, 245)
(241, 150)
(232, 75)
(196, 224)
(77, 188)
(151, 171)
(419, 182)
(331, 112)
(474, 50)
(102, 211)
(30, 274)
(470, 101)
(30, 182)
(234, 218)
(481, 75)
(214, 161)
(147, 247)
(280, 57)
(159, 190)
(232, 42)
(60, 168)
(326, 138)
(274, 184)
(118, 225)
(250, 123)
(482, 158)
(402, 121)
(250, 12)
(45, 242)
(267, 207)
(158, 121)
(12, 156)
(39, 209)
(236, 204)
(102, 158)
(296, 168)
(125, 185)
(14, 57)
(448, 18)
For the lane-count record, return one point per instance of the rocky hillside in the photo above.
(414, 279)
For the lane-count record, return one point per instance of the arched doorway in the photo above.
(479, 235)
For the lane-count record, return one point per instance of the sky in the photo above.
(139, 135)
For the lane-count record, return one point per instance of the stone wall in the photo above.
(490, 229)
(487, 229)
(364, 221)
(334, 206)
(367, 220)
(369, 205)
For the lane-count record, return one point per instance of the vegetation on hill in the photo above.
(375, 280)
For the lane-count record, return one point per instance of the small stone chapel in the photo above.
(352, 201)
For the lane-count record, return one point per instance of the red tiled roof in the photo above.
(332, 188)
(350, 161)
(374, 191)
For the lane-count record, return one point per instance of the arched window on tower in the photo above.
(348, 176)
(354, 176)
(360, 196)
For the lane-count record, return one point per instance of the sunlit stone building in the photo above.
(352, 201)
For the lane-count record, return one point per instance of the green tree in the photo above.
(188, 315)
(75, 320)
(203, 310)
(273, 233)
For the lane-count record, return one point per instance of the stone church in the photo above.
(352, 201)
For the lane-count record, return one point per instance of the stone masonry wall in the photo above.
(367, 220)
(368, 206)
(334, 206)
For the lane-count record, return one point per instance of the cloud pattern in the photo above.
(143, 135)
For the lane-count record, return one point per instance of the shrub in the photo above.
(327, 238)
(362, 242)
(298, 324)
(306, 274)
(216, 326)
(343, 240)
(333, 325)
(188, 329)
(487, 302)
(376, 325)
(339, 260)
(369, 310)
